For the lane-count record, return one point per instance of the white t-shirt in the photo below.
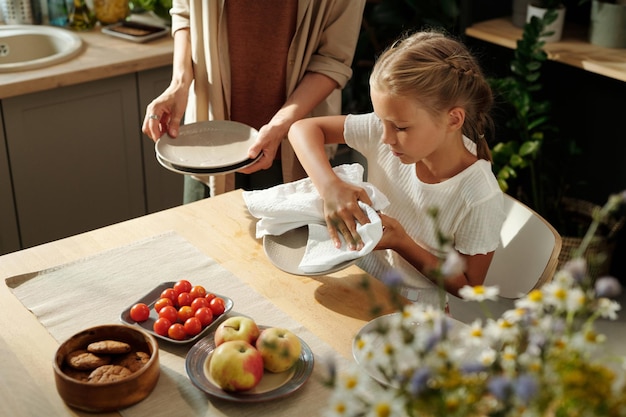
(470, 204)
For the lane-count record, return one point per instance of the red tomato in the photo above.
(192, 326)
(184, 299)
(140, 312)
(162, 302)
(169, 293)
(217, 306)
(184, 313)
(197, 291)
(170, 313)
(205, 315)
(177, 331)
(161, 326)
(182, 286)
(209, 296)
(199, 302)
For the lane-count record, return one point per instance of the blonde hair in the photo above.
(441, 74)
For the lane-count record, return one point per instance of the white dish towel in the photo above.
(289, 206)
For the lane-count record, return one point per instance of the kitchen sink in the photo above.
(25, 47)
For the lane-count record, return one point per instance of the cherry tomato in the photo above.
(177, 331)
(184, 299)
(209, 296)
(217, 306)
(197, 291)
(192, 326)
(205, 315)
(162, 302)
(169, 293)
(140, 312)
(199, 302)
(170, 313)
(161, 326)
(182, 286)
(184, 313)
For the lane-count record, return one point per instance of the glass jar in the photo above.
(80, 17)
(111, 11)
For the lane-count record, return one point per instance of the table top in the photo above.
(331, 307)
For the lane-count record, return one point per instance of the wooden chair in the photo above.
(528, 253)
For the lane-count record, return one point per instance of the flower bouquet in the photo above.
(541, 358)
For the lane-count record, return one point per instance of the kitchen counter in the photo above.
(103, 56)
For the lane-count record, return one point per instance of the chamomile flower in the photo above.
(479, 293)
(608, 308)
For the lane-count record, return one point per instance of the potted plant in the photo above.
(554, 29)
(607, 25)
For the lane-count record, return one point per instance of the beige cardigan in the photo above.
(324, 42)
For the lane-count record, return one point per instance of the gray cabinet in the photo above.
(164, 189)
(9, 234)
(74, 159)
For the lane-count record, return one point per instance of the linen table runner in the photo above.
(95, 290)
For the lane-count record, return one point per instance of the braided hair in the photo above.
(441, 73)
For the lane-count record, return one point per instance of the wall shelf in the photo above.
(573, 49)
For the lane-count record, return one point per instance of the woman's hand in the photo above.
(268, 140)
(342, 212)
(164, 113)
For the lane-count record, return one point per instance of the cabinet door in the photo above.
(164, 189)
(9, 236)
(75, 158)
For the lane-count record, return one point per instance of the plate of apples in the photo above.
(242, 361)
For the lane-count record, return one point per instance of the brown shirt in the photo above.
(259, 36)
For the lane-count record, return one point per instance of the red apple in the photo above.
(237, 328)
(280, 348)
(236, 366)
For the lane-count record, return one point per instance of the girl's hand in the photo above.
(393, 233)
(342, 212)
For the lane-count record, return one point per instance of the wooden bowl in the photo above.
(107, 396)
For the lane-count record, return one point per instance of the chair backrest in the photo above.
(528, 253)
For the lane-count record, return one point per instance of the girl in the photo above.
(425, 148)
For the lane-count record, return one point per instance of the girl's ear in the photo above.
(456, 118)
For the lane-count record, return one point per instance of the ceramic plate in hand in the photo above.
(206, 171)
(287, 250)
(271, 387)
(153, 296)
(207, 145)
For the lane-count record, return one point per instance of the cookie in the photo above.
(76, 374)
(109, 373)
(134, 360)
(108, 347)
(86, 361)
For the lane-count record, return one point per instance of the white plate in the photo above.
(379, 339)
(287, 250)
(207, 145)
(271, 387)
(206, 171)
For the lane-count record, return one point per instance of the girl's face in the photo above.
(410, 131)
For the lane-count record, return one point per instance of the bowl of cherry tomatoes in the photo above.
(178, 311)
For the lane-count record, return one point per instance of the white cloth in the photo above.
(288, 206)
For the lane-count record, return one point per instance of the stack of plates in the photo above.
(210, 147)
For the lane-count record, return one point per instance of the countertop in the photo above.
(103, 56)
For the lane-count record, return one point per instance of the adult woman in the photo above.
(266, 64)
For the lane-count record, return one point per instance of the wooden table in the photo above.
(331, 307)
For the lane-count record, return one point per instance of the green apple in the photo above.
(280, 348)
(237, 328)
(236, 366)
